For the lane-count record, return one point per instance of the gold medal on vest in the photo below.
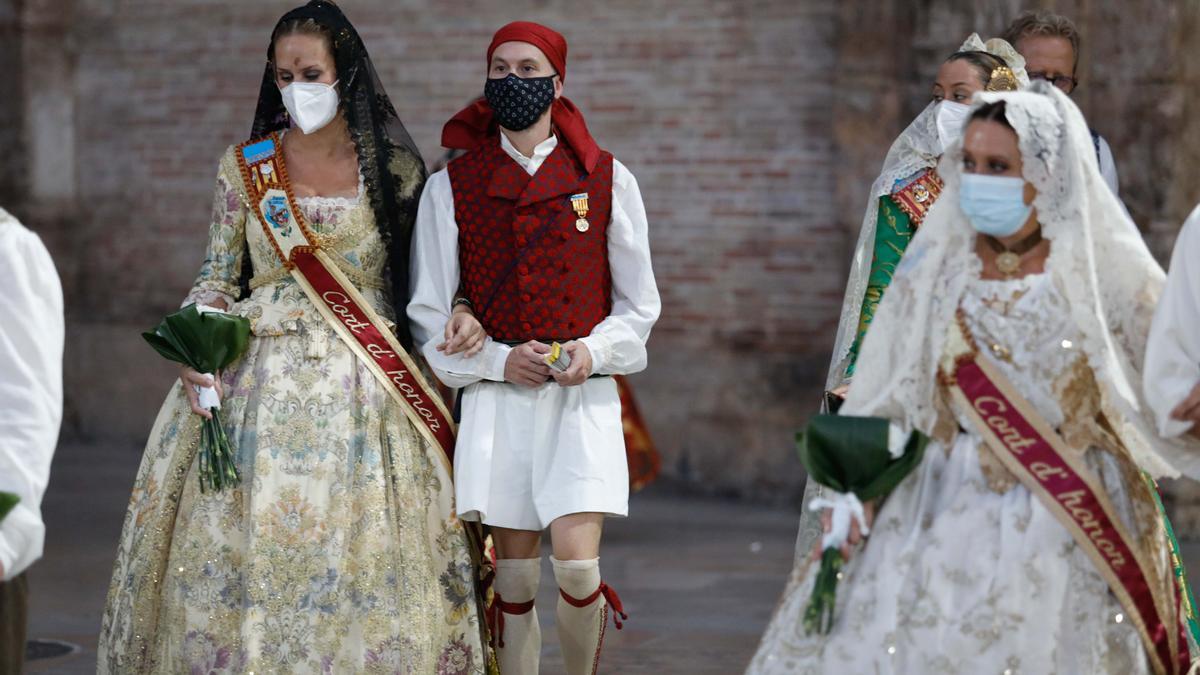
(579, 202)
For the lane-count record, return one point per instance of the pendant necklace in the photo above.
(1008, 258)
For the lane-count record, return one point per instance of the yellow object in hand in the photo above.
(558, 359)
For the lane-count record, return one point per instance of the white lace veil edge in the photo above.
(915, 149)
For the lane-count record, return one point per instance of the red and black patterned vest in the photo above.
(527, 269)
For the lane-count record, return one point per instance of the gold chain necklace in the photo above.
(1008, 258)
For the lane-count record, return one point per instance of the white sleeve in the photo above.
(1108, 166)
(618, 344)
(31, 350)
(435, 280)
(1172, 364)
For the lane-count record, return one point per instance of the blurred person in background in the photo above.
(1050, 44)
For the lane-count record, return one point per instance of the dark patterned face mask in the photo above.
(518, 102)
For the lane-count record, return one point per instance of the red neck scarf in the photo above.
(476, 124)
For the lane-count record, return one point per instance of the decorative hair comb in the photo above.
(1003, 79)
(1005, 52)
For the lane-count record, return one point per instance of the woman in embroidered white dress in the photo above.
(339, 551)
(964, 570)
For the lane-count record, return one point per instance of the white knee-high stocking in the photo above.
(583, 606)
(517, 636)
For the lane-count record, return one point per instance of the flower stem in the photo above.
(217, 467)
(818, 616)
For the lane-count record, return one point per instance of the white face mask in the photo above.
(951, 117)
(311, 105)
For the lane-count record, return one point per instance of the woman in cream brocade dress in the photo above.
(341, 538)
(339, 552)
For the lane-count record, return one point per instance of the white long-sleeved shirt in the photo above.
(617, 344)
(1172, 364)
(31, 351)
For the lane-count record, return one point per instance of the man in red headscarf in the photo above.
(542, 236)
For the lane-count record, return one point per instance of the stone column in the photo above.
(12, 163)
(48, 201)
(48, 64)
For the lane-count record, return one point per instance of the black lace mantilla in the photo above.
(392, 168)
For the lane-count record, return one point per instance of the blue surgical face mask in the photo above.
(995, 205)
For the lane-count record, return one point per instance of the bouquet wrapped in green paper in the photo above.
(860, 459)
(7, 501)
(206, 340)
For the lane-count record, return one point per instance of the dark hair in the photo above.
(300, 27)
(983, 62)
(991, 112)
(1043, 23)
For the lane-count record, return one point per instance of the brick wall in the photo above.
(754, 129)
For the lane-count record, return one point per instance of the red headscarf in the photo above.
(475, 124)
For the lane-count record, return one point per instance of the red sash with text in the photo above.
(1038, 456)
(335, 297)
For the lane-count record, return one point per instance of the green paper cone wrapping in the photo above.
(851, 456)
(205, 341)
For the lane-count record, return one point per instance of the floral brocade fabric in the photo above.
(340, 551)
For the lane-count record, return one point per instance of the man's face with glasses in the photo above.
(1050, 58)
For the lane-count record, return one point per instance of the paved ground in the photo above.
(699, 577)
